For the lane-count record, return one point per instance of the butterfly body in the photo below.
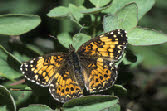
(91, 66)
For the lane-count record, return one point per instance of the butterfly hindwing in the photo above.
(41, 70)
(63, 86)
(99, 74)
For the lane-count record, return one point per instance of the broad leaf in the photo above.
(18, 24)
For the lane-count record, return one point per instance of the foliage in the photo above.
(25, 34)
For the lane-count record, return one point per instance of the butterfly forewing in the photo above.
(109, 45)
(41, 70)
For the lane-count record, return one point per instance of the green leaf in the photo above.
(116, 107)
(99, 3)
(119, 90)
(3, 108)
(94, 10)
(18, 24)
(35, 49)
(141, 37)
(6, 99)
(21, 96)
(143, 6)
(65, 39)
(36, 108)
(126, 19)
(89, 103)
(147, 56)
(5, 68)
(80, 39)
(75, 12)
(58, 12)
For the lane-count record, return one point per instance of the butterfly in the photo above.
(92, 67)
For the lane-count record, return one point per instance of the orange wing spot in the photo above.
(59, 58)
(110, 50)
(68, 81)
(46, 78)
(51, 72)
(44, 74)
(91, 83)
(100, 60)
(40, 71)
(105, 54)
(93, 52)
(67, 73)
(106, 46)
(63, 83)
(112, 46)
(40, 62)
(115, 42)
(111, 42)
(95, 46)
(111, 55)
(104, 38)
(49, 68)
(52, 61)
(102, 49)
(89, 65)
(57, 64)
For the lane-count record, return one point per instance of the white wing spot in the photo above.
(26, 65)
(51, 85)
(31, 61)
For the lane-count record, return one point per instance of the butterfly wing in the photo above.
(41, 70)
(63, 86)
(98, 57)
(99, 74)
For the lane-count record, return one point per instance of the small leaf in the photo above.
(18, 24)
(141, 37)
(80, 39)
(126, 19)
(36, 108)
(75, 12)
(89, 103)
(65, 39)
(143, 6)
(99, 3)
(5, 68)
(6, 99)
(58, 12)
